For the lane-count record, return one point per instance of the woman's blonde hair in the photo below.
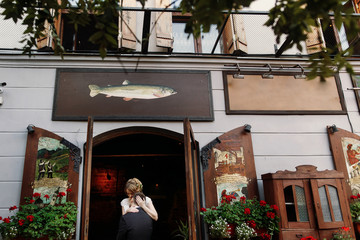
(133, 185)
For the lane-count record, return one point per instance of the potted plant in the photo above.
(52, 219)
(355, 212)
(257, 215)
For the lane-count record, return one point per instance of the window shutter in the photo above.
(127, 26)
(46, 40)
(164, 36)
(234, 35)
(315, 41)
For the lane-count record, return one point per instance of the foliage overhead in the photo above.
(289, 19)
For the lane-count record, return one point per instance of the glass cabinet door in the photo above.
(329, 203)
(295, 202)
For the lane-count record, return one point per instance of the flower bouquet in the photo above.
(36, 219)
(257, 215)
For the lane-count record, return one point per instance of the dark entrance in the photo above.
(156, 157)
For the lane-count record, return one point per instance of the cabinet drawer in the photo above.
(298, 234)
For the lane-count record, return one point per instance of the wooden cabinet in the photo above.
(311, 202)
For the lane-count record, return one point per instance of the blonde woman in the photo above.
(133, 186)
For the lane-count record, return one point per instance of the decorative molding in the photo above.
(206, 152)
(75, 153)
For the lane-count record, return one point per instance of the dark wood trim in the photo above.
(138, 155)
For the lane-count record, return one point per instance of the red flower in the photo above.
(308, 238)
(32, 201)
(7, 220)
(21, 222)
(345, 228)
(61, 194)
(30, 218)
(12, 208)
(0, 218)
(251, 224)
(243, 199)
(353, 197)
(35, 195)
(65, 216)
(213, 208)
(265, 236)
(262, 203)
(274, 207)
(358, 195)
(247, 211)
(68, 190)
(46, 196)
(203, 209)
(270, 215)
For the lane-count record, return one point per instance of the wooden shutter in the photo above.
(236, 146)
(164, 36)
(127, 26)
(87, 182)
(192, 182)
(46, 41)
(315, 41)
(43, 144)
(234, 36)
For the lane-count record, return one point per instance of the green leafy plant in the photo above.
(182, 231)
(36, 220)
(256, 214)
(342, 234)
(355, 208)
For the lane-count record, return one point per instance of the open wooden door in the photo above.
(87, 182)
(192, 182)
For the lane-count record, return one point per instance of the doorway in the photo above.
(154, 156)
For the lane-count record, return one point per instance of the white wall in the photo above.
(279, 142)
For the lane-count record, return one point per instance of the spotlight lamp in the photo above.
(269, 74)
(238, 75)
(302, 75)
(333, 128)
(30, 128)
(247, 128)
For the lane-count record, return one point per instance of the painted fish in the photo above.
(130, 91)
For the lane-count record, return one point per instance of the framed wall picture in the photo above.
(51, 167)
(345, 149)
(282, 94)
(132, 95)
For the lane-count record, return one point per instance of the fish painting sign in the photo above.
(130, 91)
(109, 94)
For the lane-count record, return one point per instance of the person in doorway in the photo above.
(133, 186)
(135, 225)
(50, 169)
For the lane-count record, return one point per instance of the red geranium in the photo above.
(345, 228)
(251, 224)
(308, 238)
(247, 211)
(262, 203)
(68, 190)
(61, 194)
(7, 220)
(270, 215)
(30, 218)
(32, 201)
(274, 207)
(353, 197)
(46, 196)
(0, 218)
(35, 195)
(12, 208)
(265, 236)
(242, 199)
(21, 222)
(203, 209)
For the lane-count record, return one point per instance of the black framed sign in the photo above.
(111, 94)
(282, 94)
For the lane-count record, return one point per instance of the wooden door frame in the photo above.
(104, 137)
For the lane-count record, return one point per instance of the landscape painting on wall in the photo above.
(110, 94)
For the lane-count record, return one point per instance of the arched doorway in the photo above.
(156, 157)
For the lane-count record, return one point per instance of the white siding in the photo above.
(279, 142)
